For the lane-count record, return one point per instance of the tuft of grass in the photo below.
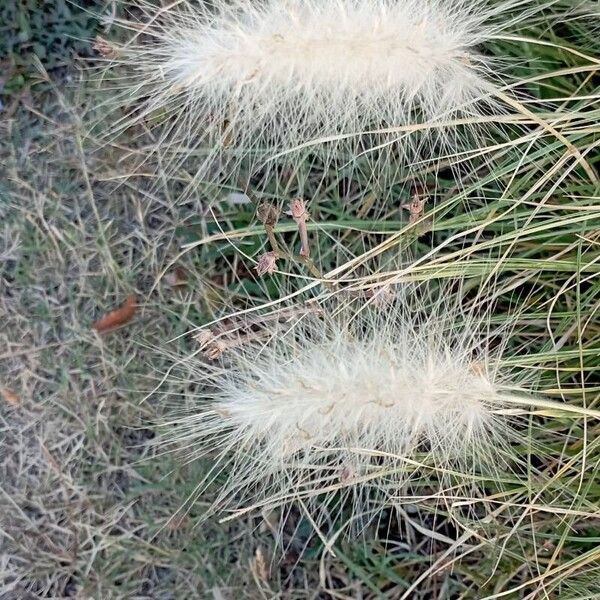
(84, 513)
(86, 506)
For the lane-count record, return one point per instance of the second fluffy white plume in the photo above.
(359, 403)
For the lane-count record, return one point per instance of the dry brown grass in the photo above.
(86, 507)
(83, 512)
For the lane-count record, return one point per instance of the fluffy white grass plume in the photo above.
(256, 78)
(353, 409)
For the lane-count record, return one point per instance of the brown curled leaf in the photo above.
(117, 318)
(10, 397)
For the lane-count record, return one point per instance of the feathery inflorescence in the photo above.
(358, 404)
(249, 80)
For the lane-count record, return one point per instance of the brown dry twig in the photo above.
(213, 346)
(268, 216)
(239, 332)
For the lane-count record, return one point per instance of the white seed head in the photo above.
(269, 76)
(354, 402)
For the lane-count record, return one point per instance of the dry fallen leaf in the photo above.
(117, 318)
(10, 397)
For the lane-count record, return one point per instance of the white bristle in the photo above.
(259, 78)
(349, 402)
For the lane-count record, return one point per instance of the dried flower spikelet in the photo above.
(300, 215)
(288, 73)
(298, 210)
(354, 402)
(267, 264)
(267, 214)
(415, 208)
(211, 346)
(104, 48)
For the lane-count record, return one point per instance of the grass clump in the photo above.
(91, 505)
